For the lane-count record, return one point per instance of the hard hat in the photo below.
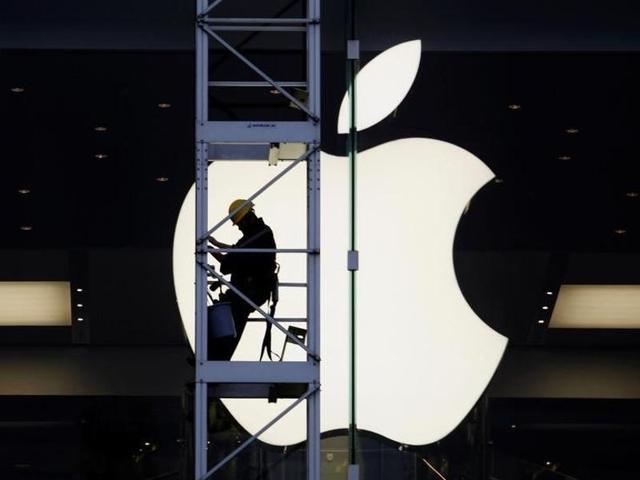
(239, 215)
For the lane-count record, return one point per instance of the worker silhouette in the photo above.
(254, 274)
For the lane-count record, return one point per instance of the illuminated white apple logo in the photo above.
(424, 357)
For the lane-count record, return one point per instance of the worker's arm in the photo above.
(218, 256)
(218, 244)
(227, 260)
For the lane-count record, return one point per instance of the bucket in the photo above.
(220, 320)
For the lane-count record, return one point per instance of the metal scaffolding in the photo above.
(245, 379)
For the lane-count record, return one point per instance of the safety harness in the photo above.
(274, 296)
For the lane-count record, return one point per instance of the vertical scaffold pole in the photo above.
(201, 389)
(353, 56)
(313, 237)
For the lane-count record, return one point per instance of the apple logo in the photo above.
(424, 357)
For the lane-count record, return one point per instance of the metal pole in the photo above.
(352, 72)
(201, 310)
(201, 393)
(313, 239)
(260, 250)
(260, 21)
(257, 28)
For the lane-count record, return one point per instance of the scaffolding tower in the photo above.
(248, 379)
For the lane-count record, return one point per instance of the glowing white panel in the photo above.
(41, 304)
(381, 85)
(597, 306)
(424, 357)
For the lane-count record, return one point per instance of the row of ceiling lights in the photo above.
(99, 156)
(164, 179)
(103, 129)
(545, 307)
(573, 131)
(570, 131)
(79, 305)
(22, 190)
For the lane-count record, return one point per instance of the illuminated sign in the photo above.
(424, 357)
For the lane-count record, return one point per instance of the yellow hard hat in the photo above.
(239, 215)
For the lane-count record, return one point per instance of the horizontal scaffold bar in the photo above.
(281, 320)
(257, 372)
(257, 390)
(256, 83)
(258, 132)
(261, 250)
(260, 21)
(257, 28)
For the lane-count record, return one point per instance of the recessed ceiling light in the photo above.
(545, 307)
(100, 128)
(549, 292)
(17, 89)
(632, 194)
(564, 157)
(164, 105)
(26, 228)
(146, 444)
(620, 231)
(162, 179)
(540, 322)
(79, 305)
(515, 106)
(101, 156)
(79, 290)
(547, 463)
(80, 319)
(572, 130)
(24, 191)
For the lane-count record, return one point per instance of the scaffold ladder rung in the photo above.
(255, 84)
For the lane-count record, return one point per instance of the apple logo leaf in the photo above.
(381, 85)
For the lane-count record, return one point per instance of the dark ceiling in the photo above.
(544, 201)
(51, 145)
(463, 25)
